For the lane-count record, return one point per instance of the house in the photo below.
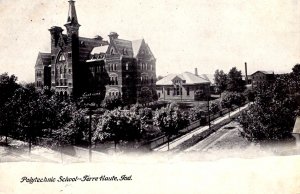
(262, 78)
(78, 65)
(183, 87)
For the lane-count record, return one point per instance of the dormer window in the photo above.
(112, 51)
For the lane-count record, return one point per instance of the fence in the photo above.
(156, 142)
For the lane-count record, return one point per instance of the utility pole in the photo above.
(90, 136)
(208, 98)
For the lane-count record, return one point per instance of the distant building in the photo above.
(262, 78)
(78, 65)
(183, 87)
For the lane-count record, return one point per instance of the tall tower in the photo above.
(72, 24)
(72, 48)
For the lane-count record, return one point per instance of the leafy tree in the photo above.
(145, 96)
(118, 125)
(111, 103)
(220, 80)
(8, 85)
(170, 120)
(250, 94)
(294, 81)
(214, 107)
(272, 115)
(235, 82)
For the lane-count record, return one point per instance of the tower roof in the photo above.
(72, 16)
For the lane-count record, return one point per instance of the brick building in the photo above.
(78, 65)
(262, 78)
(183, 87)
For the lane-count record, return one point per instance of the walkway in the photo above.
(196, 131)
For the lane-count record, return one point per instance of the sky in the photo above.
(183, 35)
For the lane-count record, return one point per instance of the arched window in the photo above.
(61, 58)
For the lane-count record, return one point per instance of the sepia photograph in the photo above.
(161, 96)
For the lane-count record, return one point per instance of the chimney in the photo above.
(113, 35)
(196, 71)
(55, 32)
(246, 74)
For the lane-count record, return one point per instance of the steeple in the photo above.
(72, 24)
(72, 16)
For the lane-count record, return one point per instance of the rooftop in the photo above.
(188, 77)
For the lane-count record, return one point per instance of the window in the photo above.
(146, 66)
(177, 90)
(168, 91)
(52, 57)
(62, 58)
(69, 54)
(187, 91)
(112, 51)
(126, 67)
(70, 71)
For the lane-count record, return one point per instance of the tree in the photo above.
(227, 101)
(235, 82)
(214, 107)
(250, 94)
(170, 121)
(145, 96)
(8, 85)
(118, 125)
(272, 115)
(220, 80)
(111, 103)
(295, 79)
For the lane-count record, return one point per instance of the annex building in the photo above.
(78, 65)
(183, 87)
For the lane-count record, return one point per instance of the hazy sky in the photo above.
(209, 35)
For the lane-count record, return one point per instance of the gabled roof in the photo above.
(264, 72)
(124, 45)
(188, 77)
(209, 77)
(136, 45)
(45, 58)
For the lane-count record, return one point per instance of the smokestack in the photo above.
(246, 74)
(196, 71)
